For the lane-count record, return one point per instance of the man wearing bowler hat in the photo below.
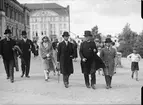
(64, 58)
(7, 51)
(26, 46)
(108, 55)
(90, 62)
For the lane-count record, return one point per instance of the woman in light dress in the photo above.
(46, 53)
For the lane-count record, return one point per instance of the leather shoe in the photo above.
(110, 86)
(107, 87)
(28, 76)
(88, 86)
(93, 86)
(22, 75)
(7, 78)
(11, 81)
(66, 85)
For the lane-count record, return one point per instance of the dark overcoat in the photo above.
(26, 48)
(89, 51)
(6, 49)
(64, 56)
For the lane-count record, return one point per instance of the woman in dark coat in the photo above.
(64, 57)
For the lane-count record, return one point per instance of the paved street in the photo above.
(36, 91)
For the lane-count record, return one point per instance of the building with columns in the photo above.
(48, 19)
(14, 16)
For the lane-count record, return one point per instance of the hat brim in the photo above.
(108, 41)
(65, 35)
(87, 35)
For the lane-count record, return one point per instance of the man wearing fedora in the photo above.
(26, 46)
(64, 57)
(7, 51)
(108, 55)
(88, 53)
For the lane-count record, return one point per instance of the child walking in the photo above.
(135, 58)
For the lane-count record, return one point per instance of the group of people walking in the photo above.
(11, 49)
(59, 56)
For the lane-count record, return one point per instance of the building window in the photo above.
(33, 27)
(60, 26)
(65, 26)
(61, 32)
(51, 26)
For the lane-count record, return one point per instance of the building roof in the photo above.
(49, 6)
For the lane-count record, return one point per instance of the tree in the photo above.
(139, 44)
(95, 33)
(127, 40)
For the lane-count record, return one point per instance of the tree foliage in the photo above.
(127, 40)
(95, 33)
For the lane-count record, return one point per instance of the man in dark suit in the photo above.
(26, 46)
(64, 58)
(7, 51)
(89, 59)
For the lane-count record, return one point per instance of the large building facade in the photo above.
(14, 16)
(48, 19)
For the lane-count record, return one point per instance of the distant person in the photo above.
(7, 51)
(135, 58)
(36, 48)
(55, 51)
(113, 46)
(75, 46)
(108, 55)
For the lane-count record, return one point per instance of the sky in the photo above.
(109, 15)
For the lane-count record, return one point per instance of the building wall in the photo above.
(49, 23)
(14, 13)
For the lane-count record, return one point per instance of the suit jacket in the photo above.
(26, 48)
(6, 49)
(64, 56)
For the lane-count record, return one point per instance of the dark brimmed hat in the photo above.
(87, 33)
(7, 31)
(108, 40)
(65, 34)
(24, 33)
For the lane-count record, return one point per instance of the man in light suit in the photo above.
(108, 55)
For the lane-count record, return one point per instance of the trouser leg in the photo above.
(23, 66)
(6, 68)
(110, 80)
(11, 69)
(86, 78)
(27, 67)
(107, 80)
(45, 73)
(93, 79)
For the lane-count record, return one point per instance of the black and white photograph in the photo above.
(78, 52)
